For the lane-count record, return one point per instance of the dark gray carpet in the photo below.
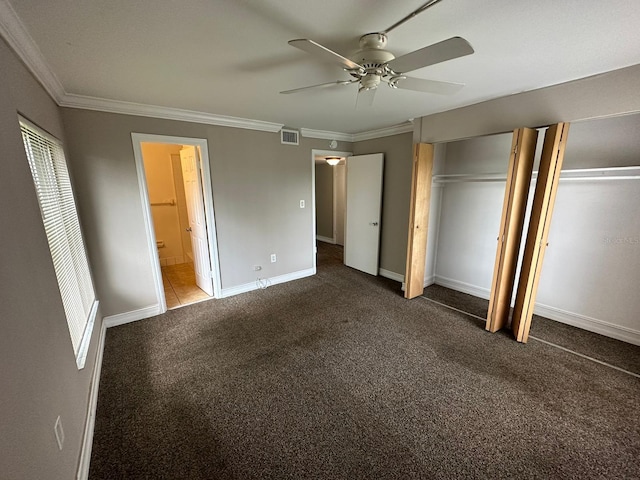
(336, 376)
(621, 354)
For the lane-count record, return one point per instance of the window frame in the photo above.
(54, 192)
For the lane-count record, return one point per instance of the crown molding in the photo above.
(383, 132)
(130, 108)
(168, 113)
(358, 137)
(17, 37)
(326, 135)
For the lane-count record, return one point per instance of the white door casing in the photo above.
(191, 176)
(364, 204)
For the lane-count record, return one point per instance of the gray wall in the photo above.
(489, 154)
(612, 142)
(39, 379)
(324, 200)
(396, 194)
(257, 187)
(612, 93)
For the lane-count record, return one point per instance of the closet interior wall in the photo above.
(592, 265)
(469, 189)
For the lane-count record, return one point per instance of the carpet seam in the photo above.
(551, 344)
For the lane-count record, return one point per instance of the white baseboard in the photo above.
(325, 239)
(87, 440)
(462, 287)
(427, 281)
(430, 280)
(248, 287)
(391, 275)
(584, 322)
(595, 325)
(110, 321)
(133, 316)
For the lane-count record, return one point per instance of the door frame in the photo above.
(326, 153)
(207, 190)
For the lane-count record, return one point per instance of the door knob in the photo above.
(188, 229)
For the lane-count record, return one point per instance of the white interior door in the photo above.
(364, 203)
(190, 162)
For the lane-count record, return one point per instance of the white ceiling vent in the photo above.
(289, 137)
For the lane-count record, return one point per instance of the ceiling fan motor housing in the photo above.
(372, 53)
(373, 57)
(373, 40)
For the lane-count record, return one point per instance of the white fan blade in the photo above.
(321, 85)
(365, 98)
(429, 86)
(318, 50)
(454, 47)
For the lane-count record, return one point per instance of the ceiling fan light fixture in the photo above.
(369, 82)
(333, 161)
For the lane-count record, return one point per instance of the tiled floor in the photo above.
(180, 285)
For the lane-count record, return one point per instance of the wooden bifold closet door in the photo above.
(523, 149)
(418, 219)
(555, 141)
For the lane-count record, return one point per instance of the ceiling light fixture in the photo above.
(333, 161)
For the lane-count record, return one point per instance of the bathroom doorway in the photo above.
(178, 217)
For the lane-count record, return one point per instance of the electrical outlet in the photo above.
(57, 428)
(257, 268)
(273, 258)
(301, 203)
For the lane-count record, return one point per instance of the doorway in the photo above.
(329, 189)
(175, 187)
(347, 206)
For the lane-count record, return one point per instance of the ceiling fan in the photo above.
(373, 64)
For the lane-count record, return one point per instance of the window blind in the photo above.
(60, 218)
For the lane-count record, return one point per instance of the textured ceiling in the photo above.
(231, 57)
